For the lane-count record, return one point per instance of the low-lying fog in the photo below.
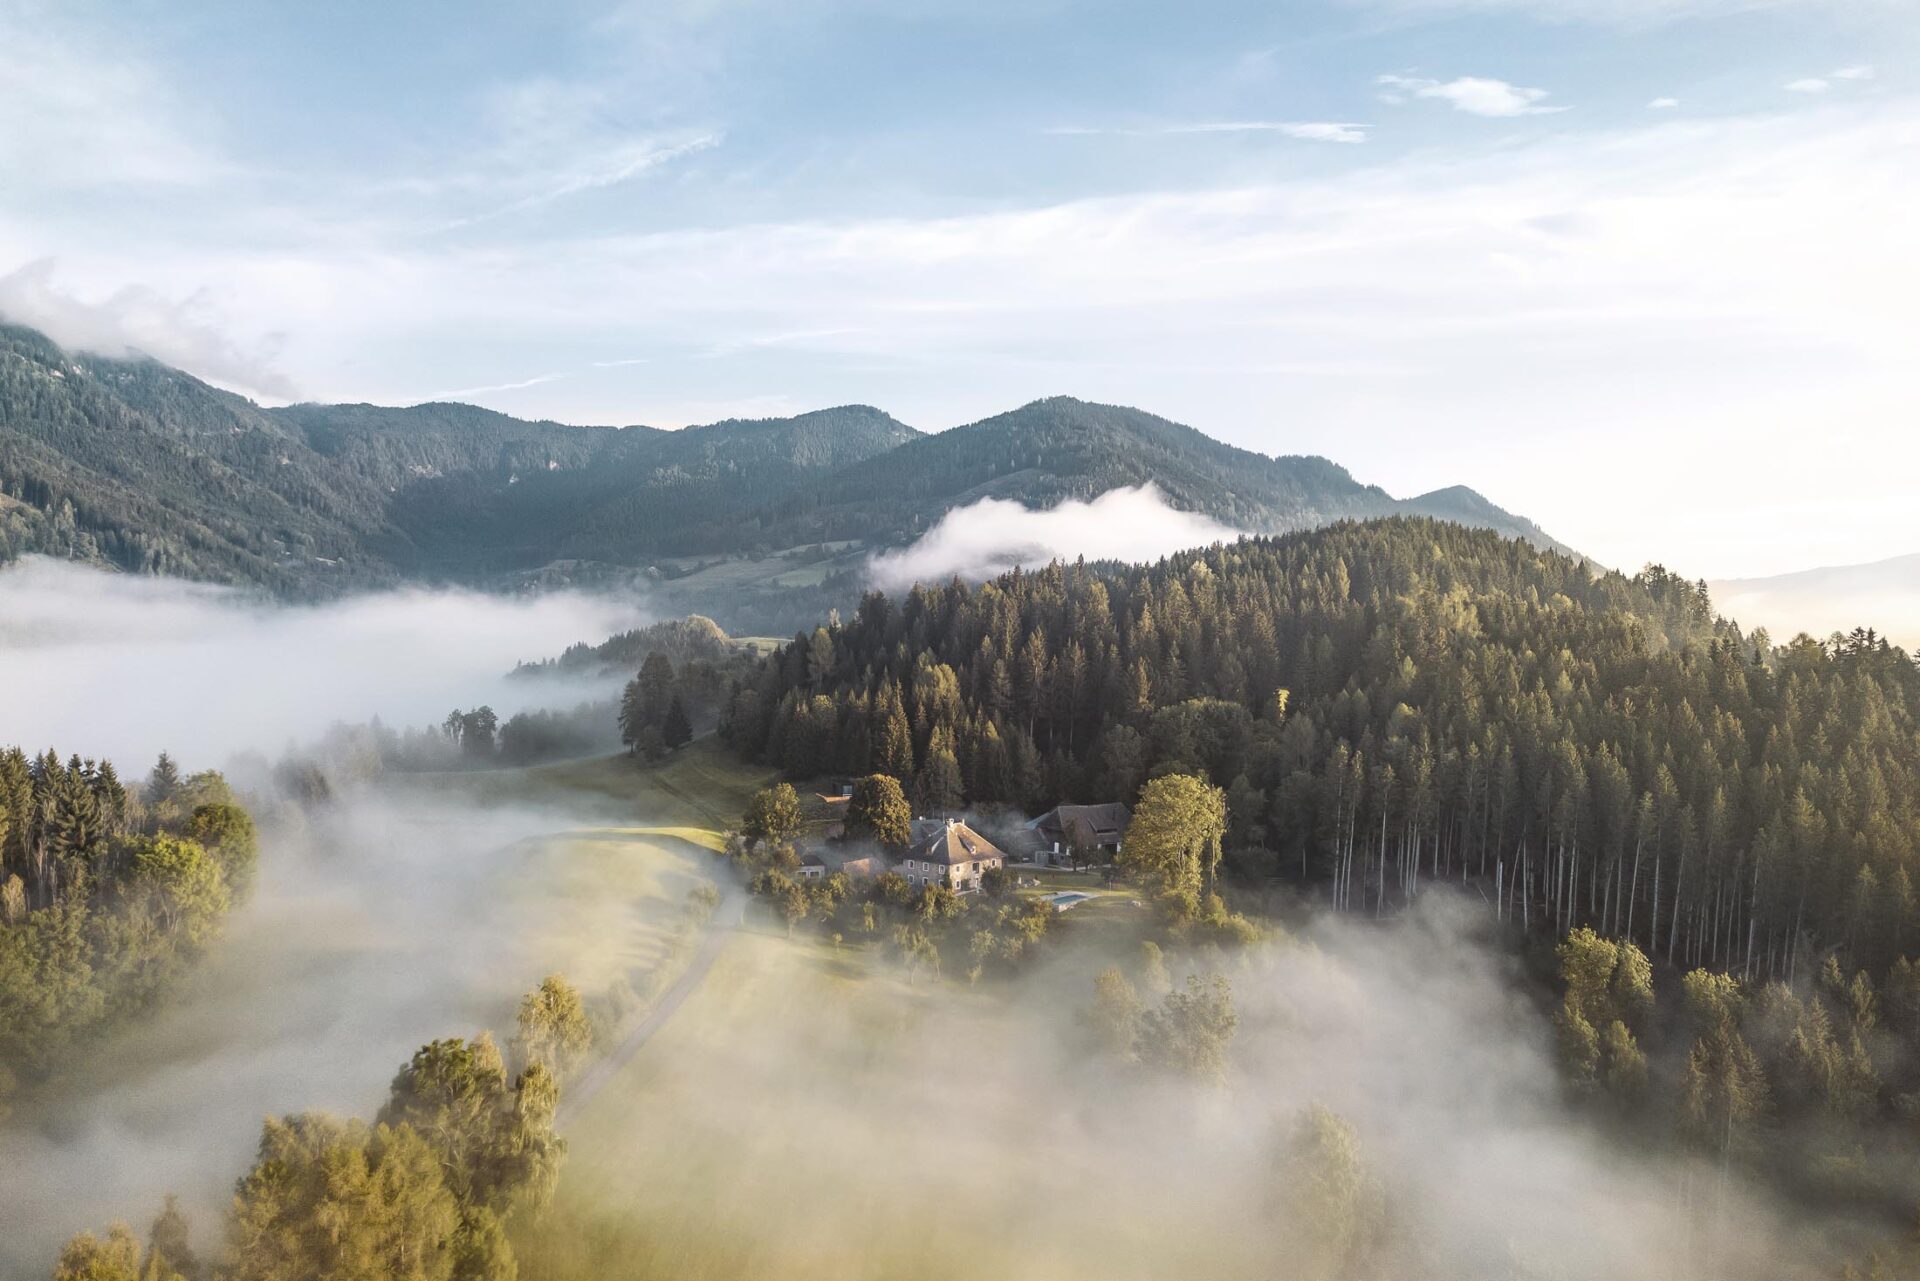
(1884, 595)
(813, 1126)
(954, 1130)
(392, 917)
(389, 919)
(123, 667)
(994, 535)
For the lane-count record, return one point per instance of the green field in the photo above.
(602, 902)
(701, 788)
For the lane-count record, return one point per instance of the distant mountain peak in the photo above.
(162, 473)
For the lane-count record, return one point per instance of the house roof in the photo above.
(949, 841)
(1101, 823)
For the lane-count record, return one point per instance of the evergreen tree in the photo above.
(676, 730)
(163, 784)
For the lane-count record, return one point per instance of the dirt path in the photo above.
(720, 931)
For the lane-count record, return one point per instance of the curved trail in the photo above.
(596, 1077)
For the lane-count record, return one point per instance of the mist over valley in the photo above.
(959, 642)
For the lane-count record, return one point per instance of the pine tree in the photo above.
(676, 730)
(163, 784)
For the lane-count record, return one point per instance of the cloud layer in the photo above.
(994, 535)
(122, 667)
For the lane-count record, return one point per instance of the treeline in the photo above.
(1812, 1084)
(1400, 701)
(465, 739)
(106, 894)
(478, 737)
(463, 1149)
(662, 706)
(694, 638)
(658, 711)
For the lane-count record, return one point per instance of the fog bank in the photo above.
(1884, 595)
(994, 535)
(123, 667)
(824, 1119)
(384, 921)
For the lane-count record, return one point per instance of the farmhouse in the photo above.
(945, 851)
(818, 864)
(1079, 833)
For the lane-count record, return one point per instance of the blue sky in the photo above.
(1638, 268)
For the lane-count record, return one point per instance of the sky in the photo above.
(1642, 270)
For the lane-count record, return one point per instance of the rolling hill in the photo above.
(132, 464)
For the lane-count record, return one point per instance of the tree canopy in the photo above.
(1389, 703)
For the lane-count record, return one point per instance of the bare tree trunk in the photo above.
(1633, 890)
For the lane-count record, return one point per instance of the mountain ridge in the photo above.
(133, 464)
(1825, 599)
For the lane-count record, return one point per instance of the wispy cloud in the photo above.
(486, 389)
(1663, 104)
(1821, 84)
(610, 167)
(1304, 130)
(1475, 95)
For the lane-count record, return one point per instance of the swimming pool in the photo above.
(1066, 899)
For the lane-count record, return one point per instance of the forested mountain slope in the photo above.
(1063, 448)
(135, 465)
(1397, 701)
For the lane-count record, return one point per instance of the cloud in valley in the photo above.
(381, 921)
(994, 535)
(789, 1131)
(787, 1104)
(112, 665)
(1884, 596)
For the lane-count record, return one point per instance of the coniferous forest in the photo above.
(1037, 642)
(107, 894)
(1392, 704)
